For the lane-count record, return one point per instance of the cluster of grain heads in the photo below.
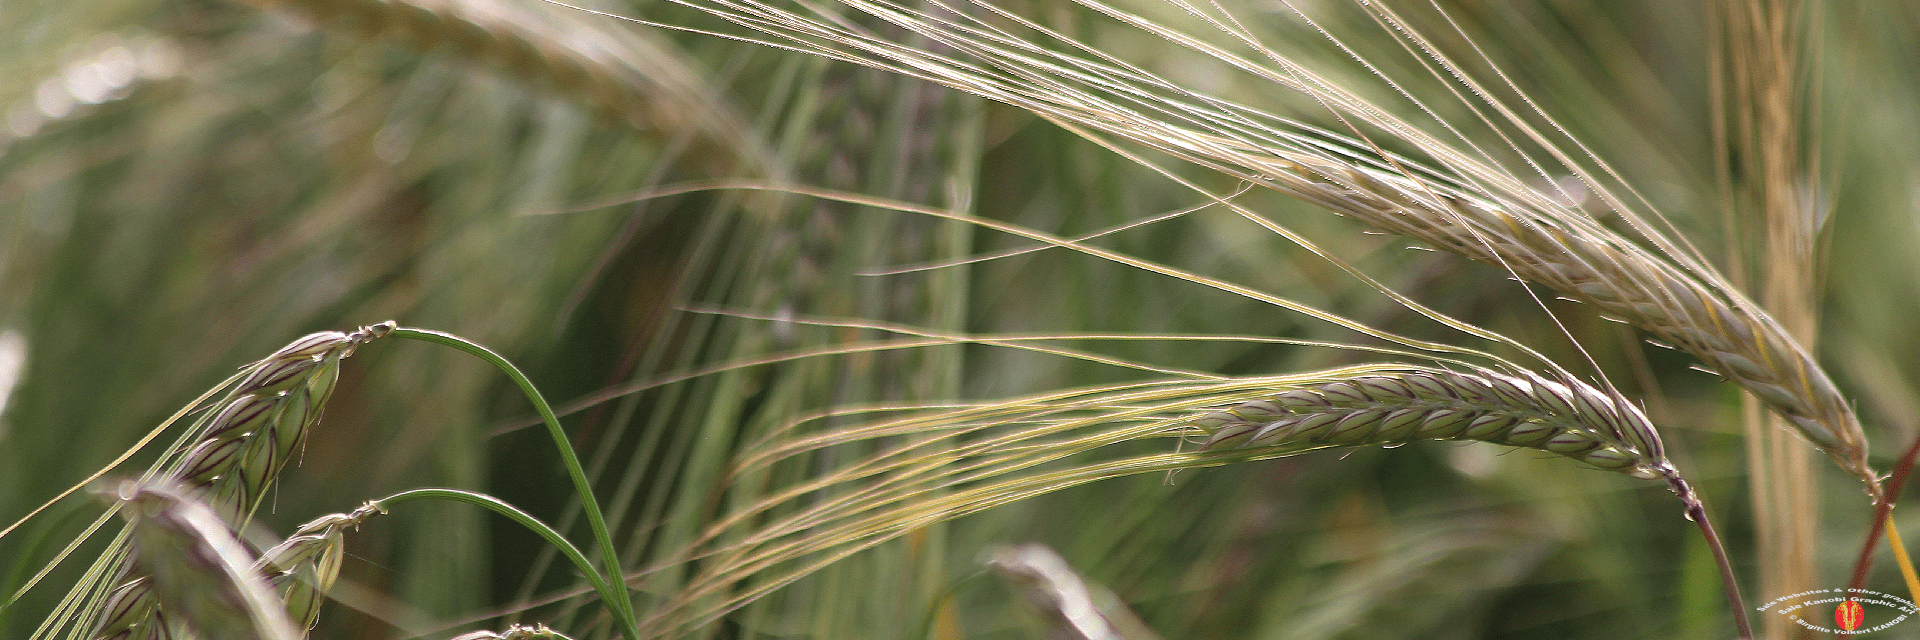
(235, 455)
(515, 632)
(1585, 261)
(197, 579)
(1464, 204)
(297, 572)
(1558, 415)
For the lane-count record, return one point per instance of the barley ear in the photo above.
(1557, 414)
(303, 567)
(262, 424)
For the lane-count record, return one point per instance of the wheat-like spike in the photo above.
(302, 568)
(257, 428)
(1559, 415)
(198, 573)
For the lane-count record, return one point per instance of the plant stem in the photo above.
(1883, 515)
(580, 561)
(616, 595)
(1906, 563)
(1697, 512)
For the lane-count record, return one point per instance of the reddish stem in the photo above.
(1882, 508)
(1697, 512)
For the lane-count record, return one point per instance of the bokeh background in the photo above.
(185, 185)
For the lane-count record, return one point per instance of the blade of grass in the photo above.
(621, 605)
(610, 593)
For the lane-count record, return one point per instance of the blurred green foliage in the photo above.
(185, 185)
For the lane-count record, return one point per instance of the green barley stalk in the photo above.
(613, 587)
(226, 462)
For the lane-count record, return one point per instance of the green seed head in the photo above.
(1558, 415)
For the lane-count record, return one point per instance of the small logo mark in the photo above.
(1849, 615)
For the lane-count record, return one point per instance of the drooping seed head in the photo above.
(269, 416)
(1523, 409)
(303, 567)
(1595, 265)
